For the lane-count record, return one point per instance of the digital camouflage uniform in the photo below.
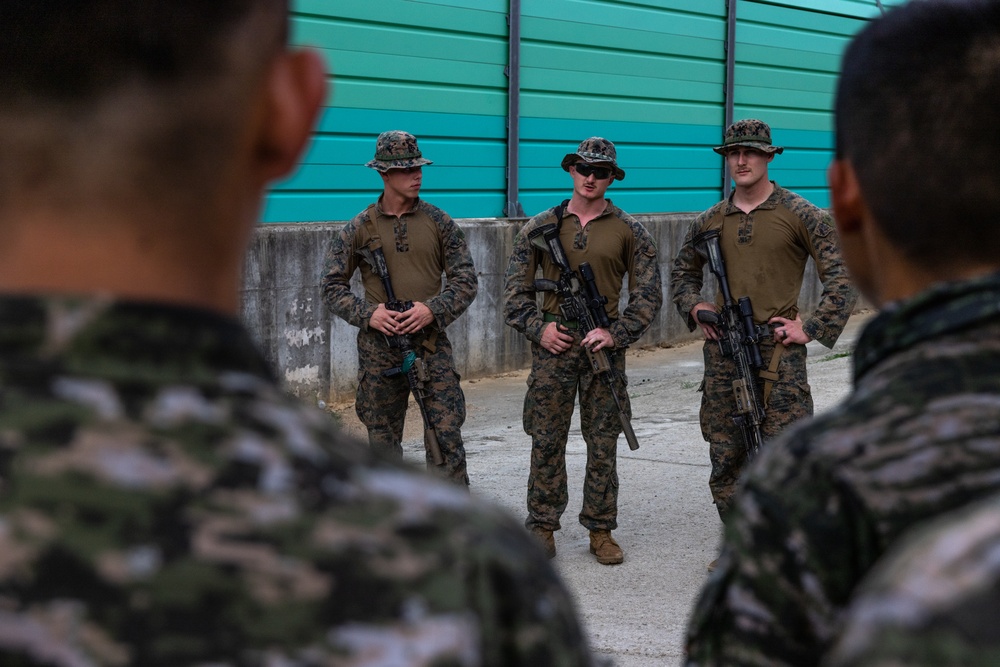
(933, 599)
(419, 247)
(917, 437)
(766, 252)
(555, 380)
(164, 504)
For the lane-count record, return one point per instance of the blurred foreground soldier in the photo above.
(918, 436)
(767, 234)
(933, 599)
(402, 344)
(593, 230)
(161, 501)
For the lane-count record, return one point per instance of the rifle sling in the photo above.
(376, 241)
(770, 376)
(560, 212)
(430, 342)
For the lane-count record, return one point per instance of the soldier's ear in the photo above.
(846, 198)
(292, 95)
(860, 241)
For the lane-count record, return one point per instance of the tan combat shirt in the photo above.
(765, 252)
(421, 247)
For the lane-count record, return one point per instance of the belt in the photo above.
(569, 324)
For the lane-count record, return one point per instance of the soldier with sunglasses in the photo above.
(591, 229)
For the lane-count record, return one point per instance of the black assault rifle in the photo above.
(582, 302)
(413, 366)
(739, 339)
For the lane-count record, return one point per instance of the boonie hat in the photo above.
(750, 132)
(396, 149)
(593, 151)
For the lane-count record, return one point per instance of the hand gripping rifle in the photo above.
(582, 302)
(413, 366)
(740, 339)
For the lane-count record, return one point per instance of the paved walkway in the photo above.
(634, 613)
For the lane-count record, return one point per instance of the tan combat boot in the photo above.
(545, 538)
(605, 548)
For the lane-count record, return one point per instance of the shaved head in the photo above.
(126, 100)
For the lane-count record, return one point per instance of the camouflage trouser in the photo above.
(553, 385)
(382, 401)
(790, 400)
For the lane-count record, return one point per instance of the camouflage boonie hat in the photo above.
(752, 133)
(593, 151)
(396, 149)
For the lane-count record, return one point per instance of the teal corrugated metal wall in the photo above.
(787, 60)
(647, 74)
(431, 67)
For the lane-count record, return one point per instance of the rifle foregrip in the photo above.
(599, 361)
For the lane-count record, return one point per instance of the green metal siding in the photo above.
(647, 74)
(431, 67)
(787, 60)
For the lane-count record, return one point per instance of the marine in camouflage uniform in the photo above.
(765, 249)
(420, 245)
(614, 243)
(164, 503)
(933, 599)
(918, 436)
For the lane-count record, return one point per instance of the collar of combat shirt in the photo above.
(942, 309)
(381, 211)
(768, 204)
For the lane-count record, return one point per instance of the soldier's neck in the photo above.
(748, 198)
(48, 254)
(395, 204)
(586, 209)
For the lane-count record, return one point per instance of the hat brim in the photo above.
(765, 148)
(383, 166)
(573, 158)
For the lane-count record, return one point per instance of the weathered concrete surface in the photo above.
(315, 352)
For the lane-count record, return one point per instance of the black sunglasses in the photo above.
(586, 170)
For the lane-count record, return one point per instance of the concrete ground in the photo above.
(634, 613)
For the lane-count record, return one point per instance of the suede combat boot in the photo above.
(545, 538)
(605, 548)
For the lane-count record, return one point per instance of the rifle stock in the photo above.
(580, 301)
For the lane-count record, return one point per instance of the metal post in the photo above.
(513, 208)
(730, 87)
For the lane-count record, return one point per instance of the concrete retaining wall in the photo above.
(315, 352)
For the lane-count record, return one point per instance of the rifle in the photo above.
(740, 340)
(413, 366)
(581, 301)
